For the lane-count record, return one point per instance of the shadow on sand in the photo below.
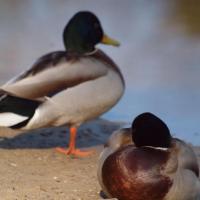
(90, 134)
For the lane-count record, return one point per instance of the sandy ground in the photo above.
(30, 168)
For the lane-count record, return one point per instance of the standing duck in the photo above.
(65, 87)
(146, 162)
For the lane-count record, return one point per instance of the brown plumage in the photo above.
(129, 171)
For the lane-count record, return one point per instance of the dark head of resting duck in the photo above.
(149, 130)
(155, 167)
(83, 32)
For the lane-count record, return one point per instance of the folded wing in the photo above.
(53, 73)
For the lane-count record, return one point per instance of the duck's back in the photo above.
(53, 73)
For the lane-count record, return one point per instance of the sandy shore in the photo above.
(32, 169)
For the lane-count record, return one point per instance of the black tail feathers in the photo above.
(18, 105)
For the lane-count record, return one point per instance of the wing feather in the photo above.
(52, 74)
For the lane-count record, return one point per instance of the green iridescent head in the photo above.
(83, 32)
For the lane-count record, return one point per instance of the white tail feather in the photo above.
(10, 119)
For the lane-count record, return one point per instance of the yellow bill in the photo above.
(109, 41)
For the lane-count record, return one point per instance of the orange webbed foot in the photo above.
(75, 152)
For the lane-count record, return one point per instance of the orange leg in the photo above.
(72, 146)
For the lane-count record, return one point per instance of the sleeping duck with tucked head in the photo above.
(65, 87)
(145, 162)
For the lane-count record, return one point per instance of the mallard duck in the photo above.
(146, 162)
(65, 87)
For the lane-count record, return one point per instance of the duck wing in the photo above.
(53, 73)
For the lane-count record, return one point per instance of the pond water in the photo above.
(159, 52)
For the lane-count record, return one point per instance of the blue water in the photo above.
(179, 109)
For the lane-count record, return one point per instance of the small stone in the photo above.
(13, 164)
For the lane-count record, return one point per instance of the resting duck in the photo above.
(65, 87)
(145, 162)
